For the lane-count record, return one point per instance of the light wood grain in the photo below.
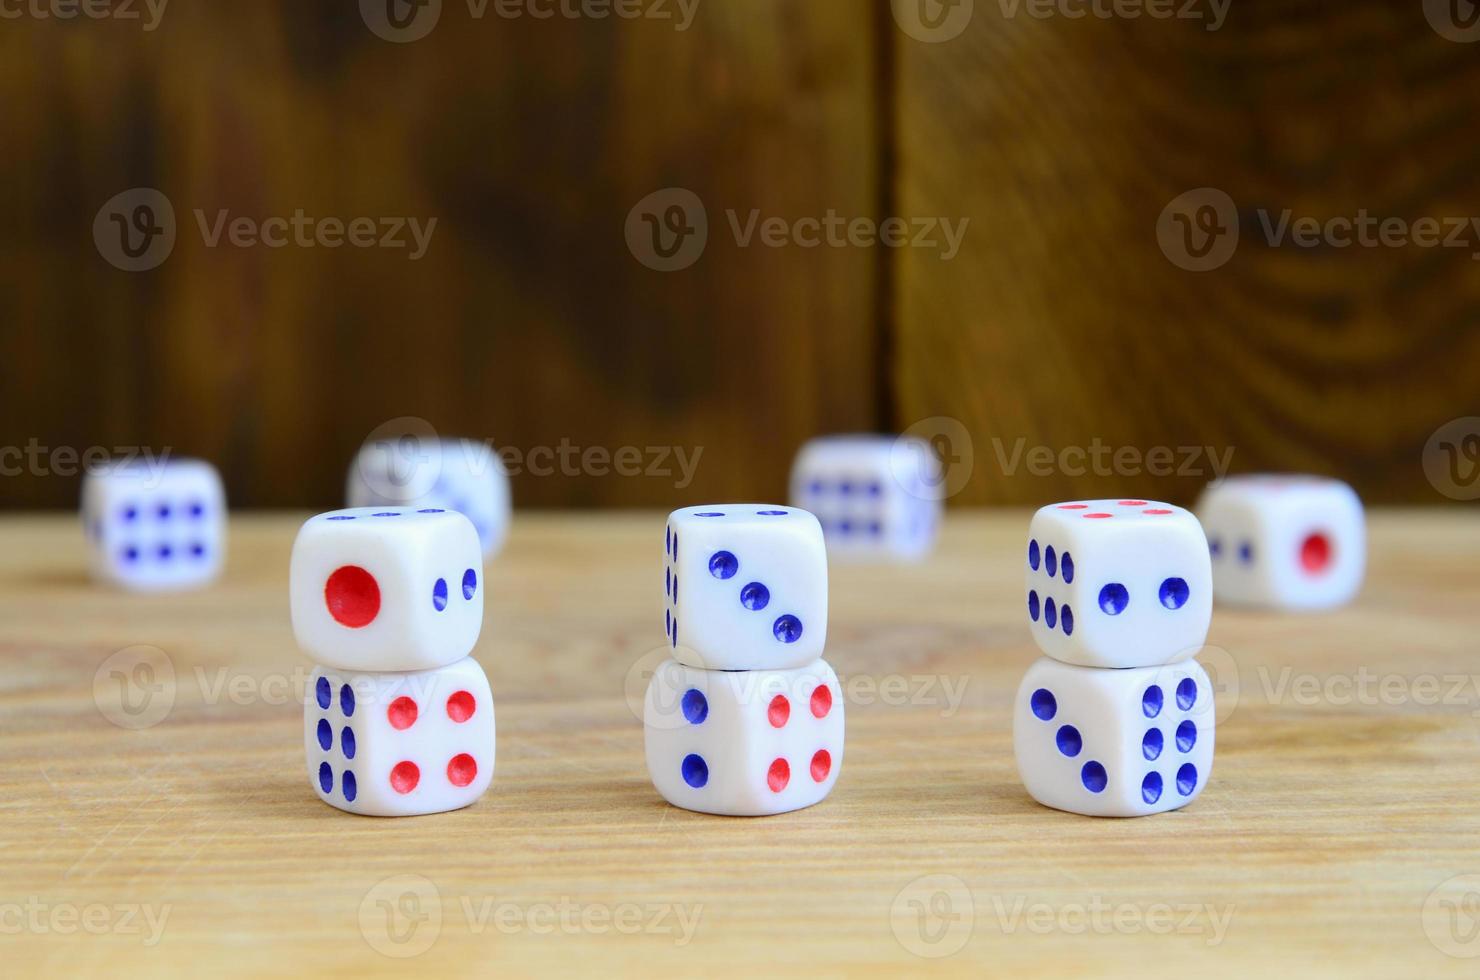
(1325, 826)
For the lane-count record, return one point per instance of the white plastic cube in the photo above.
(745, 586)
(875, 496)
(1285, 542)
(744, 743)
(1118, 583)
(386, 589)
(155, 527)
(1114, 743)
(398, 744)
(454, 474)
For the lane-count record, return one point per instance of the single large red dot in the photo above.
(401, 714)
(1133, 503)
(1073, 506)
(821, 765)
(460, 706)
(353, 596)
(779, 712)
(778, 775)
(1315, 553)
(462, 770)
(821, 701)
(1094, 516)
(404, 777)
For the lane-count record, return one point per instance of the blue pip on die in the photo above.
(1118, 720)
(877, 497)
(745, 719)
(399, 718)
(155, 528)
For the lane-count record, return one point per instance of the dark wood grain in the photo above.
(527, 322)
(1063, 324)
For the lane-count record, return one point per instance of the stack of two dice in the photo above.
(1118, 719)
(400, 721)
(745, 719)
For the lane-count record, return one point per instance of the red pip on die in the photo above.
(400, 719)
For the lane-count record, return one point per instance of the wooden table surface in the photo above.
(155, 816)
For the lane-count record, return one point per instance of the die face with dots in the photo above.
(745, 587)
(876, 497)
(155, 528)
(1285, 542)
(1114, 743)
(400, 744)
(387, 589)
(1118, 583)
(744, 743)
(462, 475)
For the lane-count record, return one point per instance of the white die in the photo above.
(1114, 743)
(745, 587)
(398, 744)
(1287, 542)
(386, 589)
(454, 474)
(155, 528)
(875, 496)
(1118, 583)
(744, 743)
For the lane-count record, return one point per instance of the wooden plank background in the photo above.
(528, 322)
